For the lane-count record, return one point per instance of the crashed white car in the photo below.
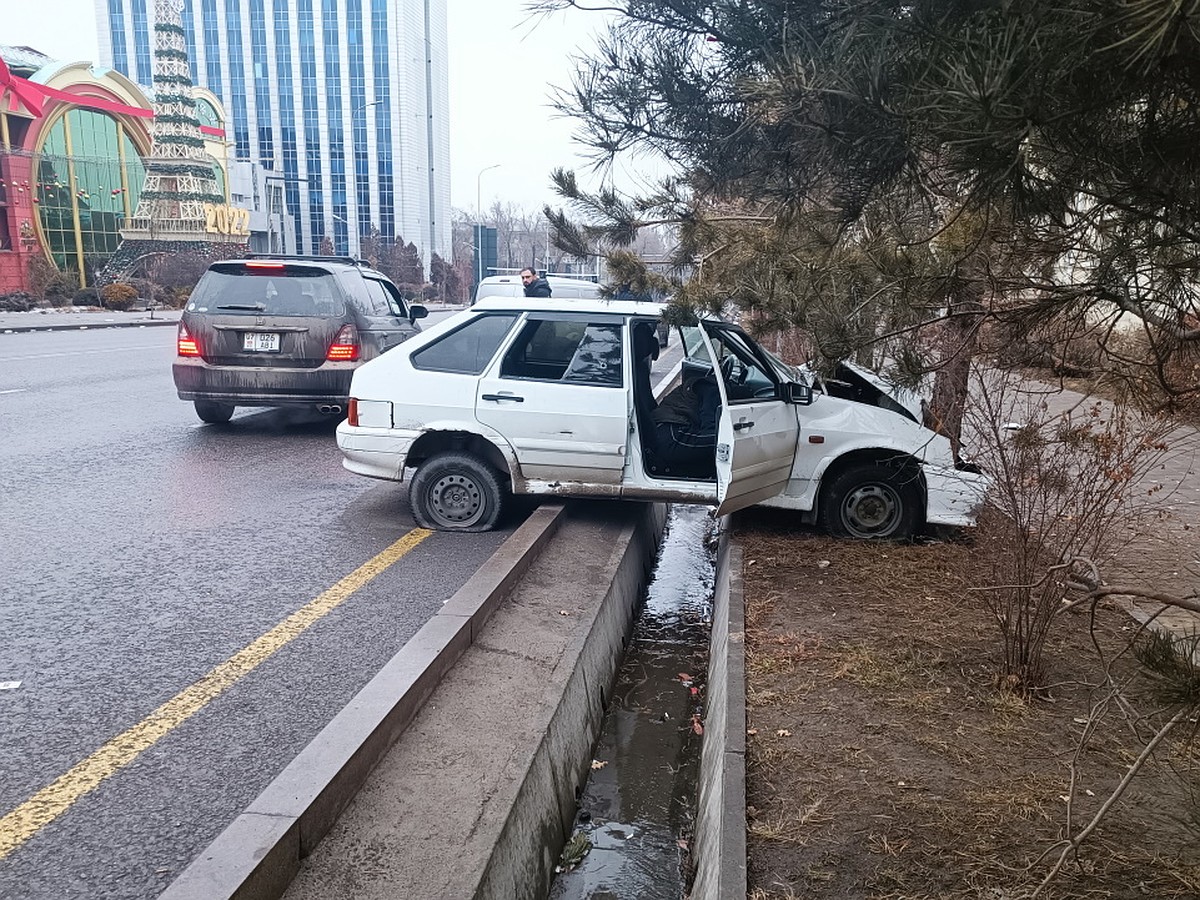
(554, 398)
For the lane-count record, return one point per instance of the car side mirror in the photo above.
(794, 392)
(416, 311)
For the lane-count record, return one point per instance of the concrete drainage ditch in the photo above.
(635, 821)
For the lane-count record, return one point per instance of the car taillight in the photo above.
(185, 344)
(352, 412)
(345, 347)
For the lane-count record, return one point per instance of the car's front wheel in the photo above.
(457, 492)
(872, 501)
(213, 413)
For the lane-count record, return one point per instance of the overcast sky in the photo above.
(502, 64)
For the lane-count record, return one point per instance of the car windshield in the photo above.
(268, 291)
(786, 372)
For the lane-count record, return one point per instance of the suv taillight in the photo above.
(352, 412)
(345, 347)
(185, 344)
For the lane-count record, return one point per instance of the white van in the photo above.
(561, 288)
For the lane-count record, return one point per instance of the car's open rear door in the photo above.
(756, 435)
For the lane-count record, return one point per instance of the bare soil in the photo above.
(884, 761)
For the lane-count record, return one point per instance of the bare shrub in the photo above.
(1069, 483)
(62, 289)
(177, 270)
(41, 273)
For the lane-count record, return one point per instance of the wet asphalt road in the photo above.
(138, 550)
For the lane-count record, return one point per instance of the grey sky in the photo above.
(502, 64)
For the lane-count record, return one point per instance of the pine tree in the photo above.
(897, 180)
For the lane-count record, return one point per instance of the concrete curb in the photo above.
(19, 328)
(720, 844)
(260, 852)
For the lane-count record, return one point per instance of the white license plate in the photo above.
(260, 342)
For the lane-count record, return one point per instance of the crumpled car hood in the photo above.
(851, 381)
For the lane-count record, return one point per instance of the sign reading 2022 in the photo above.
(226, 219)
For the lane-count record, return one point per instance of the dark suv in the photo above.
(285, 331)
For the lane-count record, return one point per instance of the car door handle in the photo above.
(742, 426)
(502, 397)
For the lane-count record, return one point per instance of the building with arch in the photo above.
(73, 138)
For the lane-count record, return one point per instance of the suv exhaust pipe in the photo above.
(329, 409)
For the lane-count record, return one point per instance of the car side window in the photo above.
(393, 300)
(468, 349)
(375, 298)
(566, 350)
(744, 372)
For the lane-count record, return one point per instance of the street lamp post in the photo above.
(479, 223)
(478, 202)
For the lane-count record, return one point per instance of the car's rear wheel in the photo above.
(872, 502)
(457, 492)
(213, 413)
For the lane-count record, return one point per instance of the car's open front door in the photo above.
(757, 432)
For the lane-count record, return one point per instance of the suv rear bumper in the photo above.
(254, 386)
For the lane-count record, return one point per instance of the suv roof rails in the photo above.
(309, 257)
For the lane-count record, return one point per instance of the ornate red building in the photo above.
(73, 140)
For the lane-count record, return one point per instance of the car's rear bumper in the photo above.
(374, 452)
(263, 386)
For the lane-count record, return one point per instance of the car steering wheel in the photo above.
(733, 370)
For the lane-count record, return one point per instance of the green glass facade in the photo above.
(89, 176)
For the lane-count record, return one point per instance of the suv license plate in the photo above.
(260, 342)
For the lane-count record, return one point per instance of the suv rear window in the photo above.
(266, 290)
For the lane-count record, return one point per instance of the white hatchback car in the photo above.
(546, 397)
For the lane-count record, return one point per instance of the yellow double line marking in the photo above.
(56, 798)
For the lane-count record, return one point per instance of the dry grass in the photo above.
(905, 772)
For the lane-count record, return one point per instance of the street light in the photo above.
(478, 204)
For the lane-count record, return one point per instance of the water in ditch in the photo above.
(633, 828)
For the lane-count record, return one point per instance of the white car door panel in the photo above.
(756, 436)
(755, 446)
(558, 431)
(558, 397)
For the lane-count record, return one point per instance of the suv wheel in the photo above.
(213, 413)
(456, 492)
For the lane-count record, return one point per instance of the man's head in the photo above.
(528, 275)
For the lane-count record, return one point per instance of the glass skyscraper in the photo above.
(346, 101)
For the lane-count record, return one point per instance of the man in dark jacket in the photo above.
(534, 286)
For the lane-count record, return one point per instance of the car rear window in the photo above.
(466, 350)
(268, 290)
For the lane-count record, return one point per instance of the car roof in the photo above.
(570, 304)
